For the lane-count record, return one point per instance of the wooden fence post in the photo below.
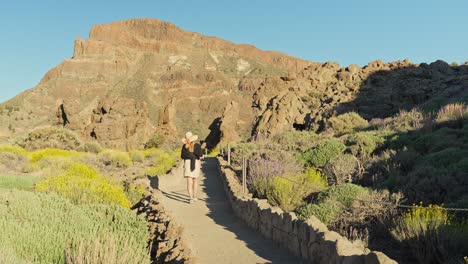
(244, 176)
(229, 154)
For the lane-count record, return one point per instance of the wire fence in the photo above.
(227, 154)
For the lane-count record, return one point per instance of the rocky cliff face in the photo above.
(153, 77)
(149, 70)
(377, 90)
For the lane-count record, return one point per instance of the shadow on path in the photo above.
(221, 212)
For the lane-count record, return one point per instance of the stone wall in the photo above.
(310, 240)
(166, 242)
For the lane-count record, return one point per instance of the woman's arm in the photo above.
(198, 151)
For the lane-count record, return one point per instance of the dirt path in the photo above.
(215, 234)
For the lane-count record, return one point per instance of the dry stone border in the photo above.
(166, 243)
(310, 240)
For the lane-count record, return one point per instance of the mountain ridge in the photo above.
(153, 78)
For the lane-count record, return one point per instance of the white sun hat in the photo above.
(189, 137)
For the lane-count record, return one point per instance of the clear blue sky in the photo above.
(37, 35)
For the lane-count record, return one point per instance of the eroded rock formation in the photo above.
(190, 82)
(120, 123)
(186, 79)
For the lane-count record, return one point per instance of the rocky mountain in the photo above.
(133, 79)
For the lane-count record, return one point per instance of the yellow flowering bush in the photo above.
(289, 191)
(39, 155)
(420, 220)
(425, 229)
(162, 162)
(83, 184)
(214, 152)
(16, 150)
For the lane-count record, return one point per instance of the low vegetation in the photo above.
(432, 234)
(161, 162)
(81, 183)
(115, 158)
(43, 228)
(367, 169)
(68, 206)
(19, 182)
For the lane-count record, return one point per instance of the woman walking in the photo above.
(192, 155)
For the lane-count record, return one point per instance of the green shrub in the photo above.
(326, 212)
(406, 159)
(155, 142)
(83, 184)
(347, 123)
(151, 152)
(51, 137)
(462, 165)
(39, 228)
(321, 154)
(288, 192)
(445, 158)
(137, 156)
(18, 182)
(294, 140)
(262, 167)
(363, 144)
(243, 150)
(134, 191)
(332, 202)
(407, 120)
(115, 158)
(344, 194)
(314, 181)
(162, 163)
(285, 194)
(432, 235)
(92, 147)
(436, 141)
(342, 169)
(260, 172)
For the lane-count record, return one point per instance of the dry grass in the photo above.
(106, 248)
(452, 112)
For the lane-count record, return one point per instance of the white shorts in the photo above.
(195, 173)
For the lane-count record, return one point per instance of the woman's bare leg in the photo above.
(190, 187)
(195, 187)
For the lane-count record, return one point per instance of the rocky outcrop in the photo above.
(230, 124)
(120, 123)
(377, 90)
(152, 62)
